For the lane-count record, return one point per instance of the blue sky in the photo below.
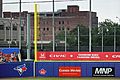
(106, 9)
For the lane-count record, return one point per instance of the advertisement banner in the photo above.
(109, 56)
(69, 71)
(76, 69)
(103, 71)
(16, 69)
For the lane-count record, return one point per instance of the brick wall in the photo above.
(69, 18)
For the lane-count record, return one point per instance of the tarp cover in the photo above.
(9, 50)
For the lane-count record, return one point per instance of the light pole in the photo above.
(53, 27)
(65, 39)
(102, 40)
(78, 39)
(20, 25)
(41, 39)
(114, 38)
(115, 35)
(9, 42)
(90, 26)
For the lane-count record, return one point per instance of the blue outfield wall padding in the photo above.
(56, 68)
(51, 69)
(16, 69)
(117, 69)
(84, 69)
(44, 69)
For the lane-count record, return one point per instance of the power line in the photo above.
(42, 1)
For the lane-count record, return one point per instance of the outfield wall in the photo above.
(60, 69)
(16, 69)
(86, 69)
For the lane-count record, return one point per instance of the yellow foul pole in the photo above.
(35, 31)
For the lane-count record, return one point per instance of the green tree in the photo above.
(72, 36)
(108, 32)
(108, 28)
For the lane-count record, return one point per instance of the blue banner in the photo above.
(9, 50)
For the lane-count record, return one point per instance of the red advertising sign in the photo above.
(42, 71)
(109, 56)
(69, 71)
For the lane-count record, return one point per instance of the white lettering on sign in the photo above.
(115, 56)
(42, 55)
(88, 56)
(57, 55)
(103, 70)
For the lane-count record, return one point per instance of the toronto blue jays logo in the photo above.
(21, 69)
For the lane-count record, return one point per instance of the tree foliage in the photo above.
(107, 27)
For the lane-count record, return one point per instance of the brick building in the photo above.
(9, 32)
(69, 18)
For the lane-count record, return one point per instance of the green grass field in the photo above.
(62, 78)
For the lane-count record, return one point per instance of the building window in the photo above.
(62, 28)
(59, 29)
(62, 22)
(22, 28)
(1, 27)
(68, 29)
(43, 29)
(8, 39)
(7, 28)
(59, 22)
(22, 38)
(1, 39)
(47, 29)
(14, 39)
(14, 27)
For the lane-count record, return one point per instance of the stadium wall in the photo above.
(16, 69)
(87, 69)
(60, 69)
